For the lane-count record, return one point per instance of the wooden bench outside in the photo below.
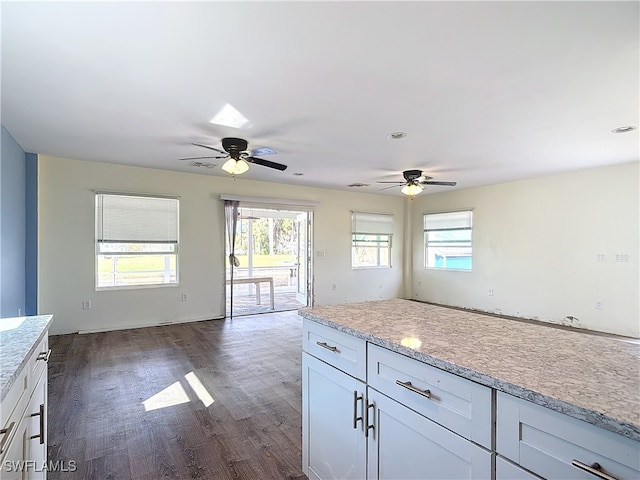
(257, 281)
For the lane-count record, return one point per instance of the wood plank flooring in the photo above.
(103, 388)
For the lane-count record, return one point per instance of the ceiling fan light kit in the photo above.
(412, 189)
(235, 167)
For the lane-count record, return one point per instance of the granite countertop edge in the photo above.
(591, 416)
(10, 379)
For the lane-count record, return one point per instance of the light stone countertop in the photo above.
(595, 378)
(19, 337)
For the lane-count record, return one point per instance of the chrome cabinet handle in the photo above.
(327, 346)
(7, 433)
(367, 427)
(409, 386)
(593, 469)
(356, 397)
(41, 415)
(44, 355)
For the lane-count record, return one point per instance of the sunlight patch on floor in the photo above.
(175, 394)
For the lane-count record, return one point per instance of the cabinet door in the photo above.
(406, 445)
(13, 466)
(508, 471)
(35, 416)
(331, 446)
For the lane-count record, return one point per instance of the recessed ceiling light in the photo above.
(298, 174)
(625, 129)
(396, 135)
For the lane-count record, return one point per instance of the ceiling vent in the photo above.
(202, 164)
(358, 185)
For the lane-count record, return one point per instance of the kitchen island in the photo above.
(24, 353)
(569, 373)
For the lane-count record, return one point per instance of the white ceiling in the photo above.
(487, 92)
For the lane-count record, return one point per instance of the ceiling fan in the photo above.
(235, 149)
(415, 181)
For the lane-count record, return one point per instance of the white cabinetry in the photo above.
(333, 440)
(352, 431)
(553, 445)
(406, 445)
(23, 451)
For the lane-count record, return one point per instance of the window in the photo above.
(371, 240)
(447, 238)
(136, 241)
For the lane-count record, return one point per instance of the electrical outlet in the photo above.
(86, 304)
(185, 298)
(19, 311)
(333, 287)
(490, 292)
(599, 305)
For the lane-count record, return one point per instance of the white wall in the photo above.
(67, 249)
(535, 243)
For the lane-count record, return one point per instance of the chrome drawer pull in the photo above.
(408, 386)
(356, 397)
(328, 347)
(41, 415)
(44, 355)
(7, 433)
(593, 469)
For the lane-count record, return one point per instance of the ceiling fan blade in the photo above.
(200, 158)
(387, 188)
(397, 183)
(448, 184)
(263, 151)
(210, 148)
(266, 163)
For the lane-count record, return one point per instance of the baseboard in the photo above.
(145, 325)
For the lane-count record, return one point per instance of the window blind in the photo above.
(448, 221)
(134, 219)
(371, 223)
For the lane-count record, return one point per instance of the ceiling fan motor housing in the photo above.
(234, 146)
(411, 175)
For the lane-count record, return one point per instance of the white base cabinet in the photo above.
(406, 445)
(353, 431)
(557, 446)
(23, 455)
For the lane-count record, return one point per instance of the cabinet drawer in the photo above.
(343, 351)
(38, 360)
(454, 402)
(546, 442)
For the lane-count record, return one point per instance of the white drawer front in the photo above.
(38, 360)
(547, 442)
(454, 402)
(343, 351)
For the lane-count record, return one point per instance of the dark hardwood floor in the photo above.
(130, 404)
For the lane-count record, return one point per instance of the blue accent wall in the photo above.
(31, 244)
(12, 226)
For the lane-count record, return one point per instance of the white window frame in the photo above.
(150, 227)
(449, 222)
(373, 228)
